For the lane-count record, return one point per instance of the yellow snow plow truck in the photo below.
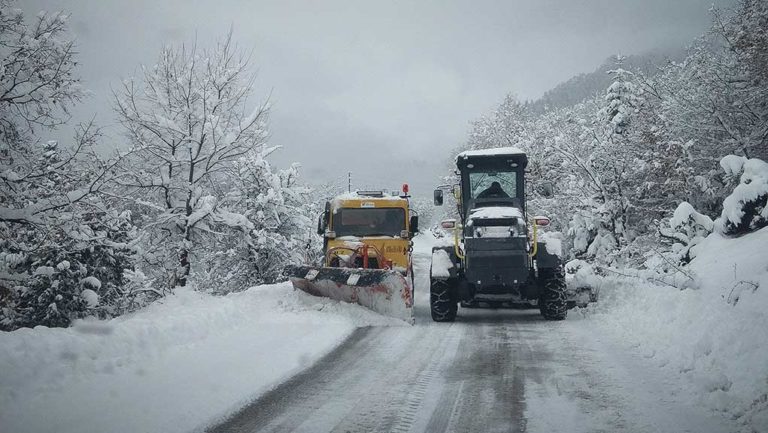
(367, 253)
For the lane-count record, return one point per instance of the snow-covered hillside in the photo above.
(713, 337)
(175, 366)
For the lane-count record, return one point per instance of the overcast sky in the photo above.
(384, 88)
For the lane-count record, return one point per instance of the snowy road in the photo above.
(490, 371)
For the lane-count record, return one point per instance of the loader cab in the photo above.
(492, 178)
(497, 259)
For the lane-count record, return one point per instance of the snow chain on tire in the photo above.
(553, 303)
(442, 302)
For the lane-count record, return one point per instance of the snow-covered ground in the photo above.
(186, 362)
(175, 366)
(715, 337)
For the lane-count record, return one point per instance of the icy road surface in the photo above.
(490, 371)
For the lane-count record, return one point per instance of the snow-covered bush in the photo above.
(268, 214)
(746, 209)
(78, 272)
(580, 273)
(687, 228)
(582, 231)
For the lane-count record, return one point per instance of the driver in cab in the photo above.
(493, 191)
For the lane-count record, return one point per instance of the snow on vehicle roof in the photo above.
(367, 195)
(496, 212)
(393, 200)
(491, 152)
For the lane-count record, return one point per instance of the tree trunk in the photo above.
(184, 255)
(184, 263)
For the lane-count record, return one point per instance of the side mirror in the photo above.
(322, 223)
(414, 224)
(438, 197)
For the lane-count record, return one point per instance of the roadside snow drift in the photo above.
(714, 337)
(176, 366)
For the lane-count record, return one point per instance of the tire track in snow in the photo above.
(426, 394)
(490, 371)
(488, 382)
(379, 380)
(256, 415)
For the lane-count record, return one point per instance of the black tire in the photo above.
(552, 303)
(442, 300)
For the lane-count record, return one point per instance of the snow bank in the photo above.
(714, 337)
(176, 366)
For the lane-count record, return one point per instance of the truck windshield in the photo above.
(369, 222)
(493, 184)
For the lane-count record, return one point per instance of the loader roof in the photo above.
(497, 151)
(492, 158)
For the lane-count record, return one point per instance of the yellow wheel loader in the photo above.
(367, 253)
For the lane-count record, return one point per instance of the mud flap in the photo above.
(386, 292)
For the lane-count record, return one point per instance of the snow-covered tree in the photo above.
(745, 31)
(622, 99)
(38, 83)
(62, 250)
(37, 87)
(213, 206)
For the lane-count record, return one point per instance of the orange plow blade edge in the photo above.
(384, 291)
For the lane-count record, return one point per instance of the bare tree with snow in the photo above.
(188, 120)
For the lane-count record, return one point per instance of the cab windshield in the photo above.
(369, 222)
(493, 184)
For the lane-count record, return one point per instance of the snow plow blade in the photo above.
(386, 292)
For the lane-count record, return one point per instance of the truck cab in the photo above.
(381, 221)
